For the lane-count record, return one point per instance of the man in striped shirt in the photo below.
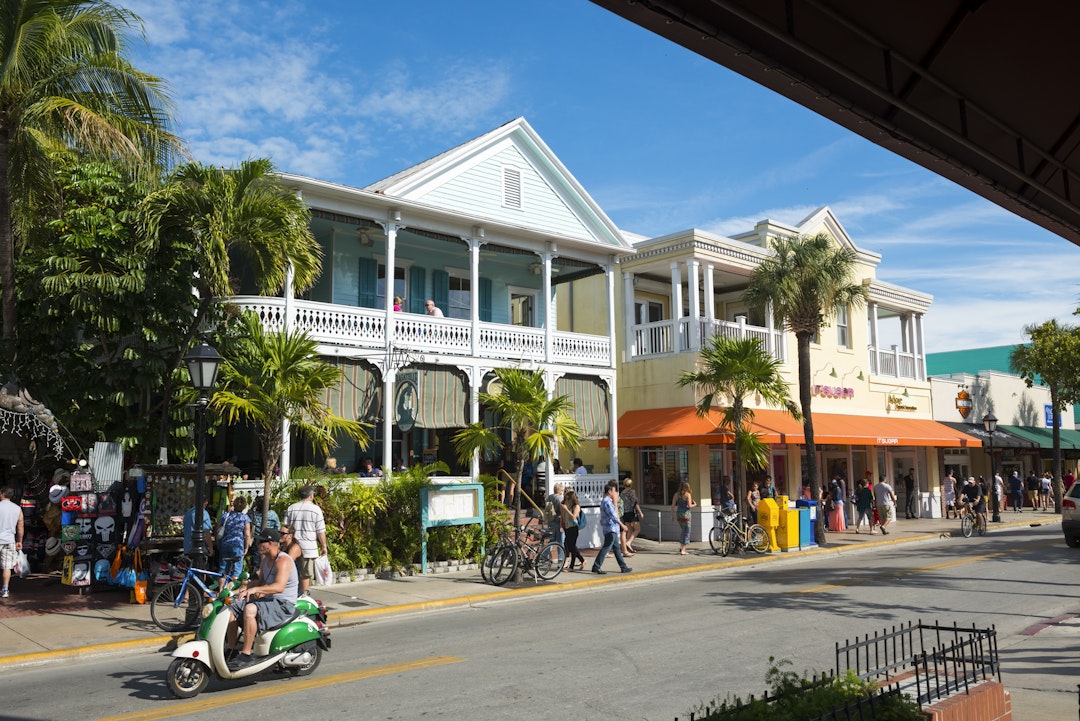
(309, 530)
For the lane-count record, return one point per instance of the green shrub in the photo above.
(803, 698)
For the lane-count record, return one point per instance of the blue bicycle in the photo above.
(177, 606)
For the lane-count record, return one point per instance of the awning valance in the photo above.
(682, 426)
(1002, 438)
(1044, 437)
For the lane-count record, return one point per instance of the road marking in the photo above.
(921, 569)
(218, 700)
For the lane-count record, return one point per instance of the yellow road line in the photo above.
(219, 700)
(921, 569)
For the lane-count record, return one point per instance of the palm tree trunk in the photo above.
(805, 395)
(8, 299)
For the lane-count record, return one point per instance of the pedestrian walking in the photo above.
(948, 494)
(611, 526)
(631, 515)
(235, 538)
(1016, 492)
(554, 520)
(571, 511)
(680, 513)
(885, 498)
(11, 535)
(864, 507)
(309, 529)
(911, 494)
(1044, 491)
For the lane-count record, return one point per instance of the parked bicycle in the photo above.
(532, 550)
(177, 606)
(734, 533)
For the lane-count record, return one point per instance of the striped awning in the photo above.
(443, 399)
(590, 399)
(359, 395)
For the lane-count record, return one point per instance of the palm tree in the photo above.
(273, 377)
(807, 280)
(65, 83)
(536, 425)
(734, 369)
(245, 211)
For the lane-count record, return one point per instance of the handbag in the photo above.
(581, 521)
(142, 580)
(220, 532)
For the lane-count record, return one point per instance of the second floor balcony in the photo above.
(682, 335)
(366, 328)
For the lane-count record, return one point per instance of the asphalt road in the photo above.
(650, 650)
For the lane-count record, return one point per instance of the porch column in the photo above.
(613, 428)
(549, 303)
(474, 293)
(695, 306)
(609, 278)
(710, 297)
(290, 324)
(920, 357)
(476, 377)
(391, 251)
(389, 377)
(774, 349)
(629, 320)
(871, 309)
(676, 309)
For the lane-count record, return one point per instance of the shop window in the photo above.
(662, 471)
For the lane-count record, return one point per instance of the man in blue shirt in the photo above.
(611, 525)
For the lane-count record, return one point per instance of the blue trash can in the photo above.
(808, 511)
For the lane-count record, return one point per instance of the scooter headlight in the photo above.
(207, 610)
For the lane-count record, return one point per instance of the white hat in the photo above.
(56, 493)
(52, 546)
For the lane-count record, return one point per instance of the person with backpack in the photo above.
(551, 513)
(234, 538)
(573, 516)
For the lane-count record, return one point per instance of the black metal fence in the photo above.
(863, 709)
(940, 659)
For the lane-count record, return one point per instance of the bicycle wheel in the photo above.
(981, 525)
(967, 525)
(550, 561)
(503, 565)
(173, 613)
(757, 538)
(727, 541)
(716, 539)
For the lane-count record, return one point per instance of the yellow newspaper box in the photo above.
(768, 515)
(787, 530)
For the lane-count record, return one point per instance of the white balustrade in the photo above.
(580, 349)
(511, 342)
(655, 338)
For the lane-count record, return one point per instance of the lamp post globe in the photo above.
(203, 362)
(990, 425)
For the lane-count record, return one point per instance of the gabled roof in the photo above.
(470, 176)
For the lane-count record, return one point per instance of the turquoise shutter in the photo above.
(369, 280)
(417, 289)
(485, 299)
(440, 290)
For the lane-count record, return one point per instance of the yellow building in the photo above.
(871, 397)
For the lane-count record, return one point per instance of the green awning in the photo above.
(590, 404)
(1070, 439)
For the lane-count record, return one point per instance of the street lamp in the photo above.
(990, 425)
(202, 365)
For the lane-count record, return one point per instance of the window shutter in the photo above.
(485, 299)
(417, 289)
(511, 187)
(440, 290)
(369, 281)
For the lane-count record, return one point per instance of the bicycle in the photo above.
(971, 521)
(177, 606)
(544, 558)
(734, 533)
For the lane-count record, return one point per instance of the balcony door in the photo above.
(523, 307)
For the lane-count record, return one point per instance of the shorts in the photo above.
(630, 517)
(273, 612)
(8, 554)
(305, 567)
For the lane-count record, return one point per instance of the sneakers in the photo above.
(242, 661)
(597, 571)
(4, 592)
(627, 569)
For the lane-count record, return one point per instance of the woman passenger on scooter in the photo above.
(267, 605)
(290, 546)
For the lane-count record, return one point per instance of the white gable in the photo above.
(541, 195)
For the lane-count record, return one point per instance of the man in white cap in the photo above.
(11, 535)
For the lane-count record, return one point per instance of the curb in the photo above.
(346, 619)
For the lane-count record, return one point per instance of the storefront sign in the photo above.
(963, 403)
(888, 441)
(834, 392)
(899, 403)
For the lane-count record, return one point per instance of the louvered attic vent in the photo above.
(511, 187)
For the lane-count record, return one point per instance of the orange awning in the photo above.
(682, 426)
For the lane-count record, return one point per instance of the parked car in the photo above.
(1070, 516)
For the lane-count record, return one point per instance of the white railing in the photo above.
(350, 326)
(589, 487)
(657, 338)
(896, 363)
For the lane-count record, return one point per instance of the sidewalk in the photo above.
(53, 622)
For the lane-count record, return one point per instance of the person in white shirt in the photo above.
(579, 468)
(309, 529)
(432, 310)
(11, 535)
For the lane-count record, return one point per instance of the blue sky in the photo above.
(663, 140)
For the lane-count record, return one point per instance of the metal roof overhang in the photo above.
(1044, 437)
(1002, 437)
(977, 91)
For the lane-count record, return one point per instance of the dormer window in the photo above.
(511, 187)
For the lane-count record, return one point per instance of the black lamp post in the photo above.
(990, 425)
(202, 364)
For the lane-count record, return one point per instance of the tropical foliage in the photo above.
(734, 370)
(804, 283)
(65, 82)
(268, 378)
(1054, 356)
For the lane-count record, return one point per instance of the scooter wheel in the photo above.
(186, 677)
(310, 667)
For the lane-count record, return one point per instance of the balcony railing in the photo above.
(366, 328)
(896, 363)
(688, 334)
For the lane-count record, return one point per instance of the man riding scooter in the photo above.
(267, 605)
